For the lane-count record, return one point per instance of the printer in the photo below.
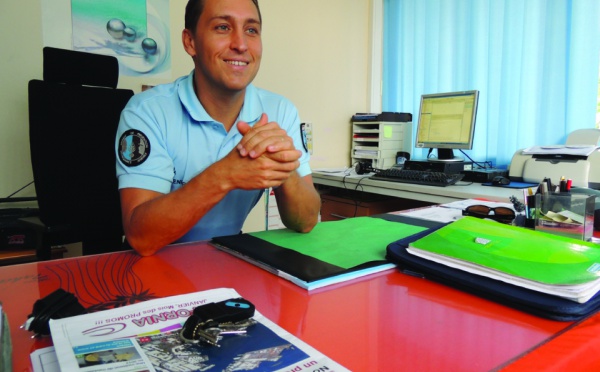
(578, 159)
(580, 163)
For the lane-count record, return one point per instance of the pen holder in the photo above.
(566, 214)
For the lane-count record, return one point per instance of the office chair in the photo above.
(73, 118)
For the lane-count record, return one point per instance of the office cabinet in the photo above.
(378, 142)
(340, 204)
(336, 208)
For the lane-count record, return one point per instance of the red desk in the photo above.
(386, 322)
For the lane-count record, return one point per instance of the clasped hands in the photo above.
(266, 155)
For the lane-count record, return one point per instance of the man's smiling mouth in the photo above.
(237, 63)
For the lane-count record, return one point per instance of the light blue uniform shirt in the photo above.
(165, 138)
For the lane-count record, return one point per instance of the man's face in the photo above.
(227, 45)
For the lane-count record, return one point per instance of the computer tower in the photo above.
(438, 166)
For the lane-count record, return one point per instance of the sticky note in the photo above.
(387, 131)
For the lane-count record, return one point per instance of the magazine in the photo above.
(145, 337)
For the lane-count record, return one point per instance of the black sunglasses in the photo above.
(500, 214)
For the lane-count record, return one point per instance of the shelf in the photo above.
(386, 138)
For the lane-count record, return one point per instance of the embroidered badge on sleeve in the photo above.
(134, 148)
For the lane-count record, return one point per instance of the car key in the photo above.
(208, 321)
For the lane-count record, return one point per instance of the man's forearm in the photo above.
(299, 203)
(162, 219)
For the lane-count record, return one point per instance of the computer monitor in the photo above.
(447, 122)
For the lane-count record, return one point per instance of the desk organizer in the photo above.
(566, 214)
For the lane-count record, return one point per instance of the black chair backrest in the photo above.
(80, 68)
(72, 137)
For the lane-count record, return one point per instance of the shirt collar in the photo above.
(251, 110)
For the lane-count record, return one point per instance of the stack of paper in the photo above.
(547, 263)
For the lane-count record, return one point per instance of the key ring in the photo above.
(212, 320)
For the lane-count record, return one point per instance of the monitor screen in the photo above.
(447, 122)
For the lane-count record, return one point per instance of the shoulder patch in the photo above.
(304, 139)
(134, 148)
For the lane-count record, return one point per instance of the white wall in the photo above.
(317, 53)
(20, 60)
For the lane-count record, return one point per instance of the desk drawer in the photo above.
(336, 208)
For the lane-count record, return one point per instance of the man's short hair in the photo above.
(194, 9)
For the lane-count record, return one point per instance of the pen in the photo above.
(526, 194)
(548, 184)
(545, 188)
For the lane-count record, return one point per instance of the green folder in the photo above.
(516, 251)
(345, 243)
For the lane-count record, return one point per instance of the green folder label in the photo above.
(594, 268)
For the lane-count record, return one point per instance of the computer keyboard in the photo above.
(418, 177)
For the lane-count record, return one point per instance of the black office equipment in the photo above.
(434, 166)
(57, 305)
(72, 130)
(417, 177)
(483, 175)
(19, 234)
(19, 226)
(500, 181)
(363, 167)
(7, 214)
(384, 116)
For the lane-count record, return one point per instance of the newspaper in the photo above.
(145, 337)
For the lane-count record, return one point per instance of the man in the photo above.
(212, 141)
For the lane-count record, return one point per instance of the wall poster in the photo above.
(136, 32)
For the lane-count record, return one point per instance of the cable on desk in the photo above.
(486, 164)
(30, 183)
(347, 173)
(356, 202)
